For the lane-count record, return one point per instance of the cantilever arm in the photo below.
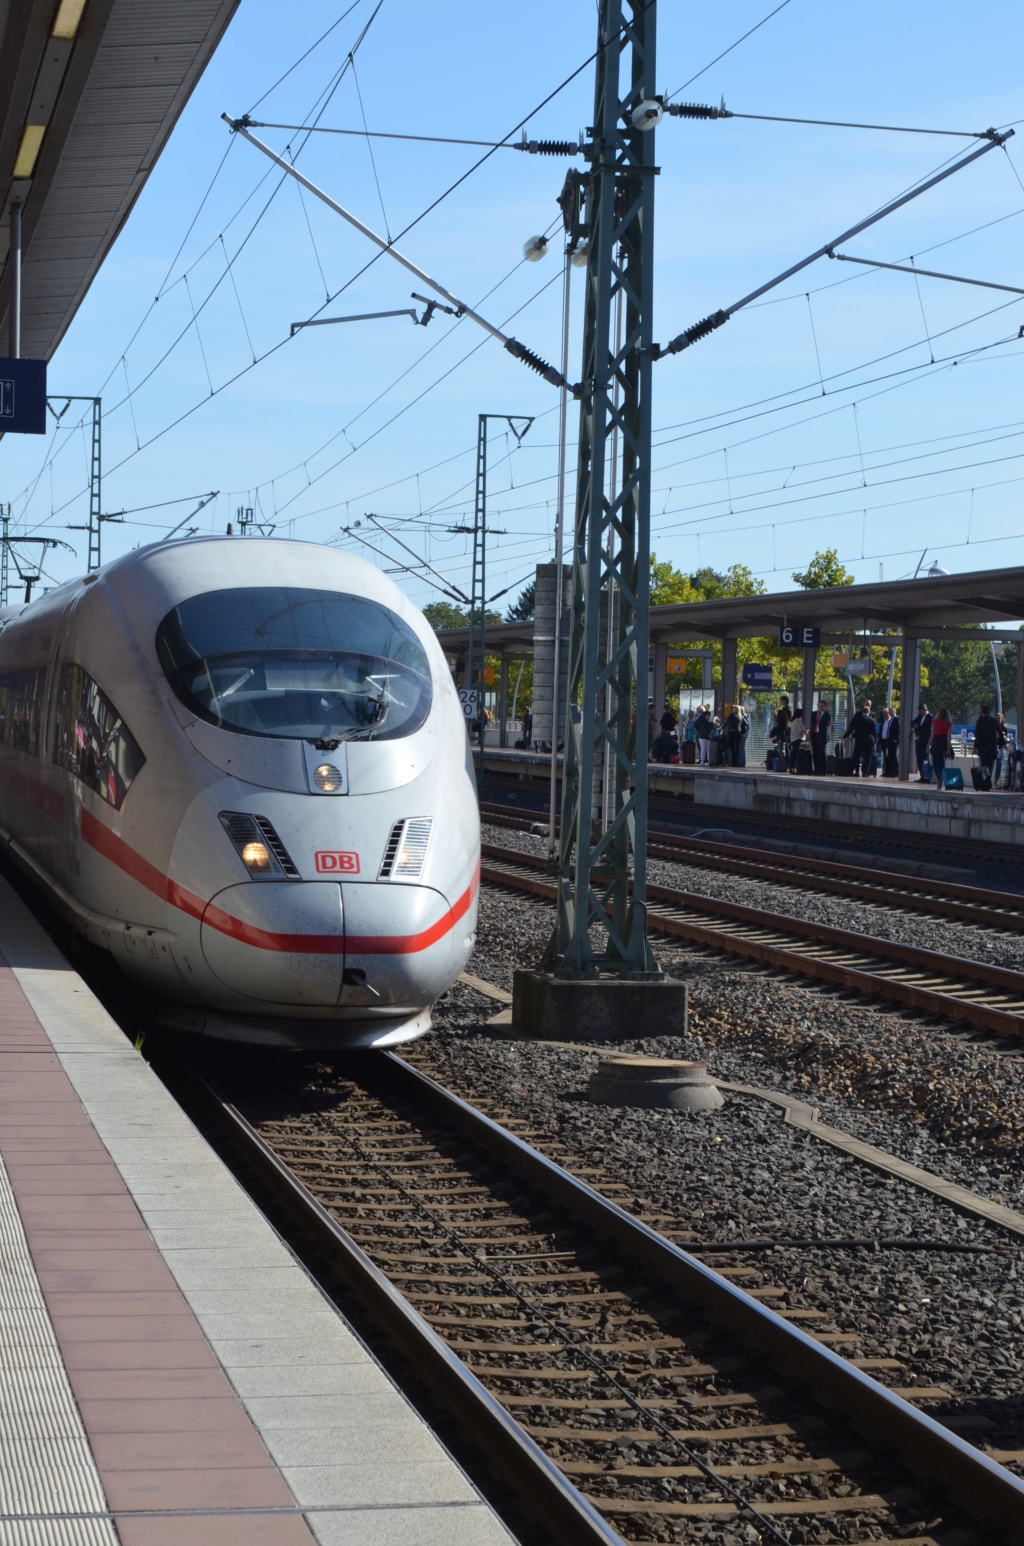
(515, 348)
(718, 318)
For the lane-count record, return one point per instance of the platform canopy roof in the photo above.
(925, 608)
(89, 93)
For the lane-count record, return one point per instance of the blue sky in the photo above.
(802, 424)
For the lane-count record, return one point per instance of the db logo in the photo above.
(337, 864)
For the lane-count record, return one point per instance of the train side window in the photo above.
(21, 704)
(91, 740)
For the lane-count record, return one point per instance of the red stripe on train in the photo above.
(120, 853)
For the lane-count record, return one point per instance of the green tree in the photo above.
(960, 676)
(521, 610)
(824, 571)
(442, 614)
(669, 586)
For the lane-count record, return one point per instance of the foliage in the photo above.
(960, 676)
(668, 586)
(823, 572)
(521, 610)
(443, 614)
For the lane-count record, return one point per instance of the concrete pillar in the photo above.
(807, 686)
(660, 673)
(544, 652)
(728, 671)
(503, 703)
(706, 685)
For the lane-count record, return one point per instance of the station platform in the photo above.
(169, 1374)
(868, 804)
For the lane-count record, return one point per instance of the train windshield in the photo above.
(294, 663)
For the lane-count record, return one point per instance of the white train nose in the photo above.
(305, 943)
(279, 941)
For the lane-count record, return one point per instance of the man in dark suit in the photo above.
(862, 730)
(821, 729)
(889, 737)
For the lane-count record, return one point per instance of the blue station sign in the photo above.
(757, 677)
(23, 397)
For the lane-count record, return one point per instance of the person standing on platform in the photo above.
(797, 731)
(861, 730)
(652, 726)
(821, 729)
(922, 728)
(939, 744)
(702, 729)
(733, 728)
(741, 753)
(668, 720)
(1002, 742)
(986, 738)
(528, 726)
(779, 733)
(890, 738)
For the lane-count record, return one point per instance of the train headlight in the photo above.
(256, 858)
(328, 779)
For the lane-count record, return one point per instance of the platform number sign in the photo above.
(467, 698)
(23, 397)
(794, 636)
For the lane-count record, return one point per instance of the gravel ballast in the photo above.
(953, 1319)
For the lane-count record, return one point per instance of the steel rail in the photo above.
(968, 904)
(771, 938)
(987, 1486)
(963, 904)
(566, 1512)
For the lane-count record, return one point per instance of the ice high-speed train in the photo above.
(241, 766)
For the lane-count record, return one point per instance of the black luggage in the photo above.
(844, 767)
(982, 779)
(804, 760)
(830, 764)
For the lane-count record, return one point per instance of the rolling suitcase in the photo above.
(830, 764)
(844, 767)
(952, 778)
(804, 760)
(689, 749)
(981, 778)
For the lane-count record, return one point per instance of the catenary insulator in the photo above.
(549, 147)
(695, 333)
(697, 110)
(521, 352)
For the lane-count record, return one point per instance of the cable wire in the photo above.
(757, 26)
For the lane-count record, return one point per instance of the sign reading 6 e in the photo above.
(796, 636)
(334, 863)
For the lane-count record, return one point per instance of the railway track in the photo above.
(932, 848)
(627, 1389)
(857, 883)
(974, 993)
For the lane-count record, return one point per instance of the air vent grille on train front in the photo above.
(406, 852)
(246, 830)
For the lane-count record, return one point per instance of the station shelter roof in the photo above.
(89, 93)
(926, 608)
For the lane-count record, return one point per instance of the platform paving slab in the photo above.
(216, 1394)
